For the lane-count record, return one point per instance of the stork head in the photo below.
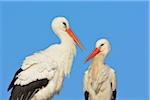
(102, 49)
(60, 26)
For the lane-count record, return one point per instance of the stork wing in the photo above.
(26, 92)
(85, 84)
(113, 85)
(14, 79)
(88, 90)
(85, 81)
(36, 72)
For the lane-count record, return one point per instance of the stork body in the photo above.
(41, 74)
(99, 79)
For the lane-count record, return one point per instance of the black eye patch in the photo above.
(102, 44)
(64, 24)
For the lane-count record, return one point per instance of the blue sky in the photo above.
(26, 29)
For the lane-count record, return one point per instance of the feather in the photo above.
(26, 92)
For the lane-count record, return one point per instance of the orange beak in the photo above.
(93, 54)
(74, 38)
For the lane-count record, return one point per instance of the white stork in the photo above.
(41, 74)
(99, 79)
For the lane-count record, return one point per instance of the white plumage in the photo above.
(42, 74)
(100, 79)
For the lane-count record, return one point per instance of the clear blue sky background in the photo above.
(26, 28)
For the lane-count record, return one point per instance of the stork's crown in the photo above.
(103, 44)
(60, 23)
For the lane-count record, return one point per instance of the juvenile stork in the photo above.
(41, 74)
(99, 79)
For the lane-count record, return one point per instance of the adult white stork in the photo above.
(41, 74)
(99, 79)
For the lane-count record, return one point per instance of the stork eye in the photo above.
(65, 24)
(102, 44)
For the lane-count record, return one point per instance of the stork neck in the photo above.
(97, 65)
(67, 41)
(98, 60)
(69, 50)
(65, 38)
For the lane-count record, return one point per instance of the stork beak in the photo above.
(93, 54)
(68, 30)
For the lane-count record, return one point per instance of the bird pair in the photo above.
(42, 74)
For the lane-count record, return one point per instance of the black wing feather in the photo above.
(26, 92)
(86, 95)
(14, 79)
(113, 97)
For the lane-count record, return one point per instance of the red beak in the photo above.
(93, 54)
(74, 38)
